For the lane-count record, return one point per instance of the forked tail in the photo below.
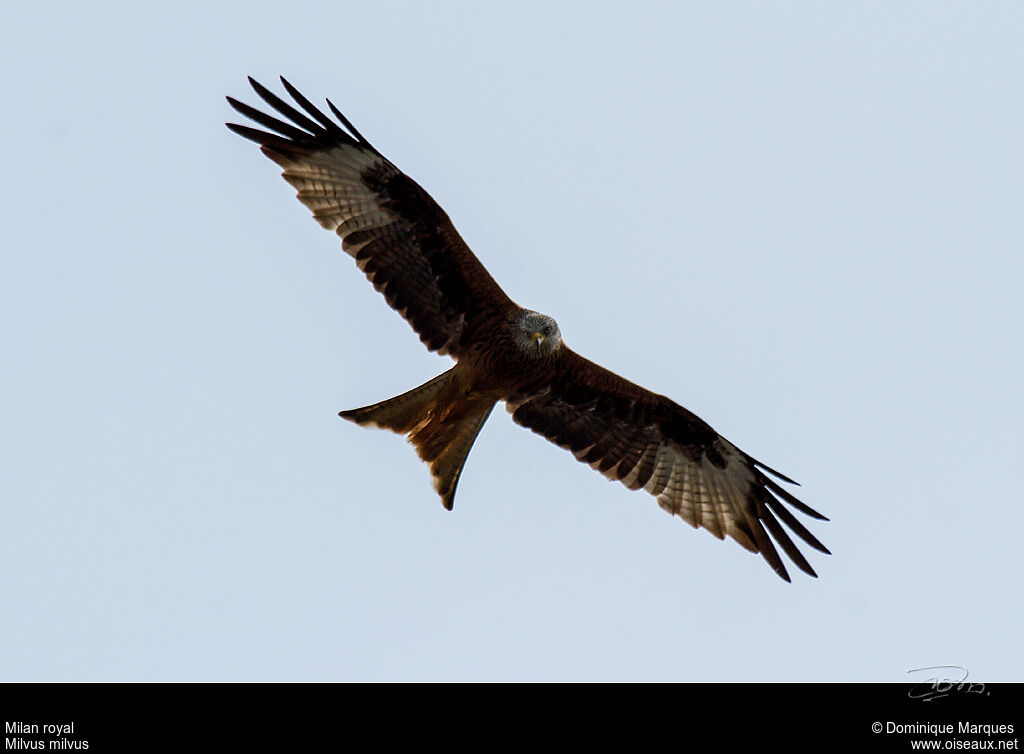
(440, 422)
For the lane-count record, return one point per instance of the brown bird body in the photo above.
(408, 248)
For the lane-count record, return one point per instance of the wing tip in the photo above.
(783, 574)
(322, 131)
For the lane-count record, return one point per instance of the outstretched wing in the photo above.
(400, 238)
(647, 441)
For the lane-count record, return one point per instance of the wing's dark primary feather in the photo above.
(398, 235)
(647, 441)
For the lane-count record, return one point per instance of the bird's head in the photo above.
(537, 334)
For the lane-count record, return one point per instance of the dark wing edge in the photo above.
(398, 235)
(647, 441)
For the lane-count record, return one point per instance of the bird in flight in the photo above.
(408, 248)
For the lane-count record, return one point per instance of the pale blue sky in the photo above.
(802, 222)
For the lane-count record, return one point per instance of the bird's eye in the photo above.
(547, 330)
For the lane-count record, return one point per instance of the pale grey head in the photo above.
(537, 334)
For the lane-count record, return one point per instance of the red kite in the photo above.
(408, 248)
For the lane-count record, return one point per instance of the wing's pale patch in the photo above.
(330, 184)
(662, 470)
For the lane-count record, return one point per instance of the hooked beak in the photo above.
(537, 337)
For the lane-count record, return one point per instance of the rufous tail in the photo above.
(441, 424)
